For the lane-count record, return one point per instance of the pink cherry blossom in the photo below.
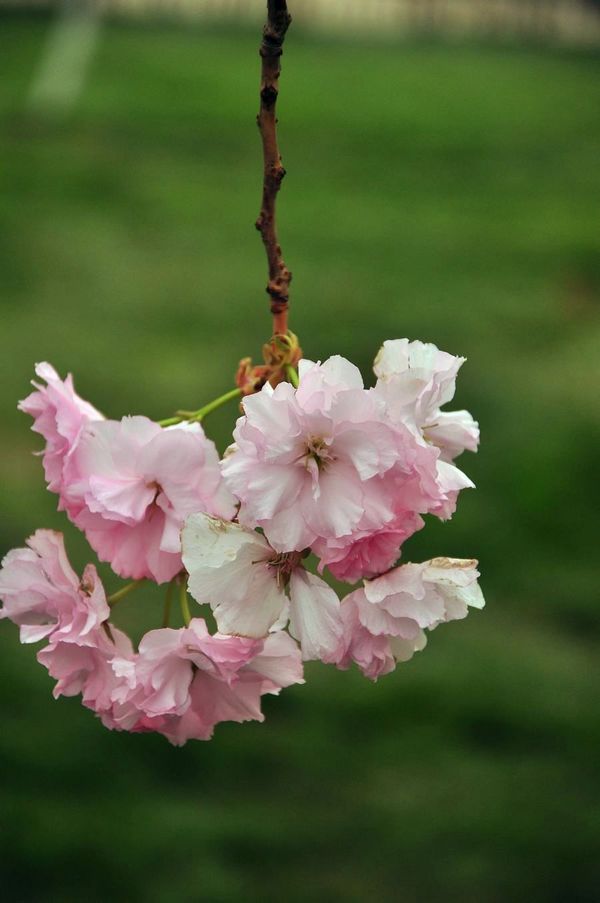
(384, 621)
(245, 581)
(168, 658)
(186, 681)
(375, 654)
(328, 467)
(43, 595)
(370, 552)
(419, 483)
(131, 484)
(307, 464)
(88, 671)
(213, 701)
(426, 375)
(419, 596)
(59, 416)
(415, 380)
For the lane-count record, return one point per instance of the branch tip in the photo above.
(271, 48)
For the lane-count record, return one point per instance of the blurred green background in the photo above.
(447, 193)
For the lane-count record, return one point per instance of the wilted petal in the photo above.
(455, 579)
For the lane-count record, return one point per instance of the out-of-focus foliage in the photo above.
(447, 194)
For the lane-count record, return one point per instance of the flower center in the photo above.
(153, 508)
(86, 586)
(318, 450)
(283, 563)
(157, 490)
(425, 435)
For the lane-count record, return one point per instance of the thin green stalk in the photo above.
(292, 375)
(217, 403)
(183, 602)
(168, 601)
(124, 591)
(200, 414)
(170, 421)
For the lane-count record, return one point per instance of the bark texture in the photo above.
(278, 21)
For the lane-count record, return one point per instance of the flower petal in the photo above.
(229, 569)
(315, 616)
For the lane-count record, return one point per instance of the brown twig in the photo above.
(278, 21)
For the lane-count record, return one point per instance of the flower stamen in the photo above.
(318, 450)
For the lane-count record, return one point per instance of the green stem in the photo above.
(201, 413)
(170, 421)
(168, 601)
(292, 375)
(213, 405)
(128, 588)
(183, 602)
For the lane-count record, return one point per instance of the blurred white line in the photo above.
(573, 21)
(67, 55)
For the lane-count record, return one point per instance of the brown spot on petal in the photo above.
(454, 563)
(217, 525)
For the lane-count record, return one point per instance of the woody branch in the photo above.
(278, 21)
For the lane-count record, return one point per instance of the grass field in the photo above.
(444, 193)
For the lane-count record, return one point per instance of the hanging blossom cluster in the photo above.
(321, 469)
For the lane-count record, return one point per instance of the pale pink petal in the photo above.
(42, 595)
(453, 432)
(422, 595)
(392, 358)
(288, 529)
(276, 487)
(279, 663)
(166, 676)
(315, 619)
(229, 570)
(455, 579)
(378, 620)
(59, 416)
(133, 485)
(339, 500)
(403, 649)
(371, 653)
(49, 546)
(375, 654)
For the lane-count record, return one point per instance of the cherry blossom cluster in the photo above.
(324, 475)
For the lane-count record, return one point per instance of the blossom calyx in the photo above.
(281, 352)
